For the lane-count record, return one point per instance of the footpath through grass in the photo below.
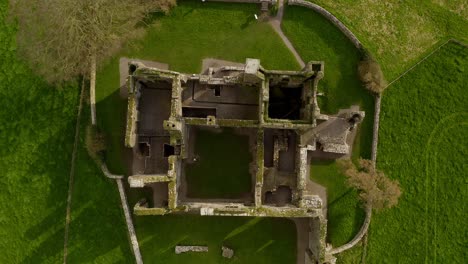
(423, 144)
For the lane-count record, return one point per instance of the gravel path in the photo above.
(276, 24)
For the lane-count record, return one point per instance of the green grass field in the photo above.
(423, 144)
(345, 214)
(222, 170)
(36, 138)
(98, 233)
(254, 240)
(399, 33)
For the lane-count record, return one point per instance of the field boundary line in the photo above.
(72, 175)
(425, 58)
(438, 129)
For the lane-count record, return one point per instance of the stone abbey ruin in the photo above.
(277, 110)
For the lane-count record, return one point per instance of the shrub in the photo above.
(95, 143)
(375, 188)
(371, 75)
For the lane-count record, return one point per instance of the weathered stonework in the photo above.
(184, 249)
(288, 128)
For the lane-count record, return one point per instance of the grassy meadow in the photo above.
(423, 144)
(37, 131)
(98, 233)
(36, 139)
(399, 33)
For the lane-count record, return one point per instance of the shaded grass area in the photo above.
(222, 168)
(345, 214)
(254, 240)
(398, 33)
(36, 139)
(98, 233)
(423, 145)
(192, 31)
(315, 38)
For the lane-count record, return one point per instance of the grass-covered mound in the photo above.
(222, 168)
(423, 145)
(254, 240)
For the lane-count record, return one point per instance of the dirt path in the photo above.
(275, 22)
(72, 175)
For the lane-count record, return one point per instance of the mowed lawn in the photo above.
(424, 145)
(254, 240)
(193, 31)
(399, 33)
(222, 168)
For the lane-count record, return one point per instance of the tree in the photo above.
(375, 189)
(61, 37)
(371, 75)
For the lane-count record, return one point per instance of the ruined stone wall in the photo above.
(375, 135)
(329, 16)
(317, 236)
(358, 237)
